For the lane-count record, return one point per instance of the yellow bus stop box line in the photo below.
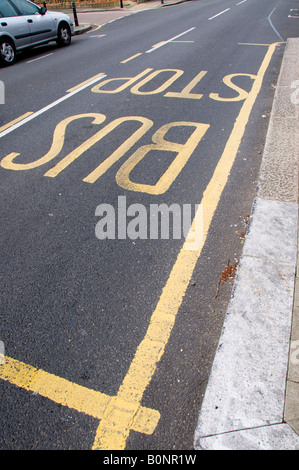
(113, 429)
(77, 397)
(123, 413)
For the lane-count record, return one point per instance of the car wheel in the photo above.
(64, 36)
(7, 52)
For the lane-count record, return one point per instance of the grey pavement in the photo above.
(252, 397)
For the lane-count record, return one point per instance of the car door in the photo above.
(42, 27)
(14, 25)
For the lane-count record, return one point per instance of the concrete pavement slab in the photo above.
(278, 437)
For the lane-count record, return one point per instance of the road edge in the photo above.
(84, 28)
(250, 398)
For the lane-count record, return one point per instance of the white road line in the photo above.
(218, 14)
(240, 3)
(168, 41)
(272, 26)
(39, 58)
(50, 106)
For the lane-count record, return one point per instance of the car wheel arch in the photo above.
(8, 53)
(6, 37)
(63, 24)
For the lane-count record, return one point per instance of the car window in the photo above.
(6, 9)
(26, 8)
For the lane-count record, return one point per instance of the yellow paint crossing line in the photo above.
(162, 43)
(131, 58)
(86, 82)
(120, 414)
(69, 394)
(252, 44)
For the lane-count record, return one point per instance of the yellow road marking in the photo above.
(183, 151)
(118, 415)
(20, 118)
(254, 44)
(85, 82)
(186, 92)
(69, 394)
(176, 73)
(57, 144)
(95, 29)
(131, 58)
(162, 43)
(242, 94)
(159, 43)
(113, 429)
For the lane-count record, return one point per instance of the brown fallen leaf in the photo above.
(228, 273)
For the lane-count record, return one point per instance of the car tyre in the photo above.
(64, 36)
(7, 52)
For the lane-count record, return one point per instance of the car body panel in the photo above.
(28, 30)
(17, 28)
(41, 27)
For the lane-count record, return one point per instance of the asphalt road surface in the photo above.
(109, 342)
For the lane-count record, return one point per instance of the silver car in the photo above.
(24, 24)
